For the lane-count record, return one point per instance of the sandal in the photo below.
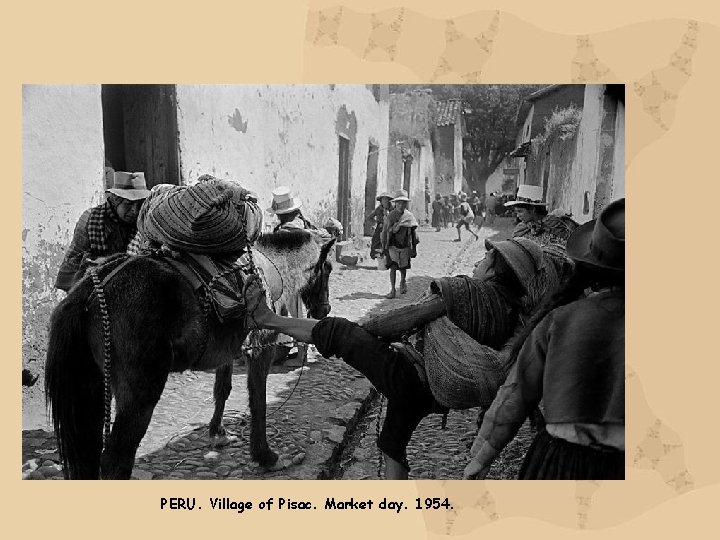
(390, 295)
(403, 288)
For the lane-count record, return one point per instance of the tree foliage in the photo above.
(491, 119)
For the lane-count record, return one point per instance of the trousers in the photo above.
(392, 374)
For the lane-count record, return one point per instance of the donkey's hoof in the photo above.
(277, 466)
(218, 441)
(268, 460)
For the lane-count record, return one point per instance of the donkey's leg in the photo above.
(135, 402)
(297, 310)
(221, 392)
(258, 368)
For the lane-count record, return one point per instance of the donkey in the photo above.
(157, 325)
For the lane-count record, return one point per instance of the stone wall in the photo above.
(63, 175)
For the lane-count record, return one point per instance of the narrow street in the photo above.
(322, 425)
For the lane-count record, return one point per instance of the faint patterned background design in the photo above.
(462, 49)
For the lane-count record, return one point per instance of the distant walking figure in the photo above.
(400, 241)
(466, 217)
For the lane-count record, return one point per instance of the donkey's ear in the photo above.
(326, 249)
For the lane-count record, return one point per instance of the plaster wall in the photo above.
(265, 136)
(618, 182)
(63, 175)
(579, 198)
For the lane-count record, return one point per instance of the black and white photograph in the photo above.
(327, 281)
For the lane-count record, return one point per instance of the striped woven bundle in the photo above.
(204, 218)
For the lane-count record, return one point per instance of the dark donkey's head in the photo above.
(316, 294)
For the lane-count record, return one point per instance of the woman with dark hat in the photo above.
(105, 229)
(377, 217)
(572, 356)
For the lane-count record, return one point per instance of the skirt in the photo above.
(551, 458)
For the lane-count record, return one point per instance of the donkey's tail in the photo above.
(74, 387)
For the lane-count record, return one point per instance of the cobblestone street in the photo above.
(326, 428)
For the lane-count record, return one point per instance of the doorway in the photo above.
(371, 187)
(407, 173)
(343, 205)
(140, 130)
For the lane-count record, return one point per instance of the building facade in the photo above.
(411, 161)
(579, 158)
(323, 141)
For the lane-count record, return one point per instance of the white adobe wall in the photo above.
(495, 180)
(265, 136)
(62, 168)
(585, 166)
(618, 185)
(458, 157)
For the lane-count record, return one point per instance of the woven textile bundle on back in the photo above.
(461, 372)
(481, 309)
(212, 217)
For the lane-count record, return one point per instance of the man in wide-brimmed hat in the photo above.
(107, 228)
(572, 358)
(287, 209)
(534, 221)
(399, 238)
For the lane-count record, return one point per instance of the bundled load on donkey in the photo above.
(203, 229)
(213, 217)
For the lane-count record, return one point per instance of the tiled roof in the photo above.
(448, 111)
(521, 151)
(544, 91)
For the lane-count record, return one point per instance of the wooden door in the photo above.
(140, 128)
(344, 186)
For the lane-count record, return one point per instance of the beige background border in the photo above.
(667, 56)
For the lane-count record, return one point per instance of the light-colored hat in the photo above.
(529, 195)
(333, 223)
(130, 186)
(383, 195)
(401, 195)
(601, 242)
(283, 202)
(524, 256)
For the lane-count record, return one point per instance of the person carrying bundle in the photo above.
(462, 323)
